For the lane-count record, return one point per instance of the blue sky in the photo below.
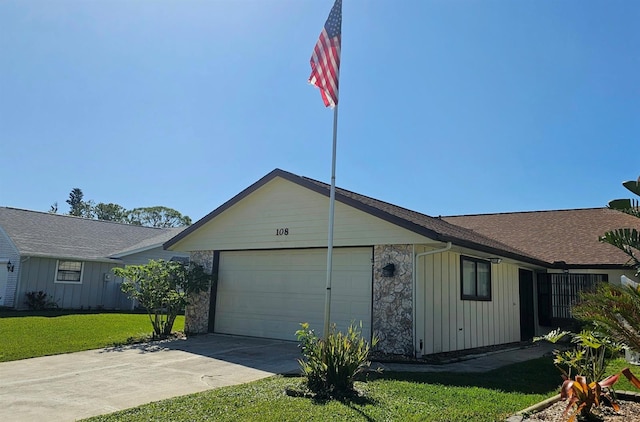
(446, 106)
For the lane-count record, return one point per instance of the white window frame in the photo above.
(55, 277)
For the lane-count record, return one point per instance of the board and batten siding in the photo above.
(445, 323)
(38, 274)
(300, 214)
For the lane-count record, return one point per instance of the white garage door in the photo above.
(269, 293)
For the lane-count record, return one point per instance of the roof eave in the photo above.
(70, 257)
(556, 266)
(135, 251)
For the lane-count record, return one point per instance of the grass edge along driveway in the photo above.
(388, 397)
(26, 335)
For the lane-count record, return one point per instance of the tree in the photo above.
(162, 288)
(110, 212)
(79, 207)
(158, 217)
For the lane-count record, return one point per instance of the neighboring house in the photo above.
(420, 284)
(71, 258)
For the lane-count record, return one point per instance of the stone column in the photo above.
(393, 300)
(196, 317)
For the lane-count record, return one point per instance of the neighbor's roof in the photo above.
(433, 228)
(37, 233)
(565, 235)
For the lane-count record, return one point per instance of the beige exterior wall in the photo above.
(444, 322)
(282, 214)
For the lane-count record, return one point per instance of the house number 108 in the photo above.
(282, 232)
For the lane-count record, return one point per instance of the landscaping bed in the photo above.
(629, 411)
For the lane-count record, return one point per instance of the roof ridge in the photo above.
(522, 212)
(370, 197)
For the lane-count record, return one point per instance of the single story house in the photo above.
(420, 284)
(71, 258)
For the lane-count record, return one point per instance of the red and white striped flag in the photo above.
(325, 60)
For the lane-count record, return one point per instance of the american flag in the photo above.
(325, 60)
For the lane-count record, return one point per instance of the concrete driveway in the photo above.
(78, 385)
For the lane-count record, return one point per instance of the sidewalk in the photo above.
(476, 363)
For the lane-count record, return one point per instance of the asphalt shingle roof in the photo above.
(433, 227)
(53, 235)
(563, 235)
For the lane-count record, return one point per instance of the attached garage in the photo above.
(268, 293)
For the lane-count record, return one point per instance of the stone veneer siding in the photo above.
(392, 316)
(196, 317)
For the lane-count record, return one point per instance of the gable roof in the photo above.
(43, 234)
(563, 235)
(423, 224)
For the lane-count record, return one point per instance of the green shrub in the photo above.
(330, 365)
(163, 289)
(38, 301)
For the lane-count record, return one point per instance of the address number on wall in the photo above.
(282, 231)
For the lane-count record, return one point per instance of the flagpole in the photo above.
(332, 201)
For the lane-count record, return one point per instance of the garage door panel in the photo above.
(269, 293)
(266, 304)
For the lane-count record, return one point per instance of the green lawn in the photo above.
(26, 335)
(389, 397)
(386, 397)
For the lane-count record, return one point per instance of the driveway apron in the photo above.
(83, 384)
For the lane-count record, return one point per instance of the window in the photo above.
(557, 293)
(475, 279)
(69, 272)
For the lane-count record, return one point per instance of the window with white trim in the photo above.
(475, 279)
(69, 272)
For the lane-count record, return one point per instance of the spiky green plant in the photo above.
(615, 310)
(332, 364)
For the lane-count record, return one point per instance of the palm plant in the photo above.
(615, 309)
(626, 239)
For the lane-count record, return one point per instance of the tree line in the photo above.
(157, 216)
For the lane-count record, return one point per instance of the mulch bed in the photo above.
(629, 411)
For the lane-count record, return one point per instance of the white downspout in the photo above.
(416, 345)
